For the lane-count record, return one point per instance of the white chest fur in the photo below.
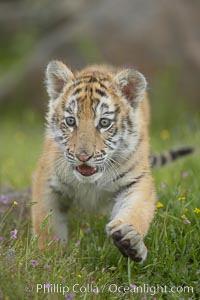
(87, 196)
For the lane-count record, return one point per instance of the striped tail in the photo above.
(164, 158)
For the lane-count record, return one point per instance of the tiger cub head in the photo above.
(93, 116)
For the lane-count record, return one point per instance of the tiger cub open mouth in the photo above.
(86, 170)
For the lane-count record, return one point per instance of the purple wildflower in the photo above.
(133, 286)
(34, 263)
(56, 238)
(14, 233)
(69, 296)
(77, 243)
(186, 221)
(63, 280)
(144, 298)
(198, 271)
(47, 285)
(47, 266)
(1, 238)
(4, 199)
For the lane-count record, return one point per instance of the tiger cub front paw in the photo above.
(127, 240)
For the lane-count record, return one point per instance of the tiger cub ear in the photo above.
(132, 85)
(57, 76)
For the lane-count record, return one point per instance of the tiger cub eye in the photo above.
(70, 121)
(104, 123)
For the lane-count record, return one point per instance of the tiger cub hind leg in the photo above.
(49, 219)
(48, 226)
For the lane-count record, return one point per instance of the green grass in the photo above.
(174, 248)
(21, 144)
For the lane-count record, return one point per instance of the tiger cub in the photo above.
(96, 155)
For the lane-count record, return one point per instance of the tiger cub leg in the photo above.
(131, 218)
(48, 221)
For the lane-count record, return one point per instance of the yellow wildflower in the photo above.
(60, 277)
(15, 203)
(181, 198)
(197, 210)
(159, 204)
(164, 134)
(183, 217)
(186, 209)
(79, 276)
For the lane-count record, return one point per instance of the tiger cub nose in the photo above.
(83, 156)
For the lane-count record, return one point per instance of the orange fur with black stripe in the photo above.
(96, 155)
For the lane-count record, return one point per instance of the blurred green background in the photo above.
(159, 39)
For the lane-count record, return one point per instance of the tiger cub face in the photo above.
(93, 116)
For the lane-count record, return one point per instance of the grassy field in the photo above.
(91, 267)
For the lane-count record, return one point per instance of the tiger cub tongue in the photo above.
(86, 170)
